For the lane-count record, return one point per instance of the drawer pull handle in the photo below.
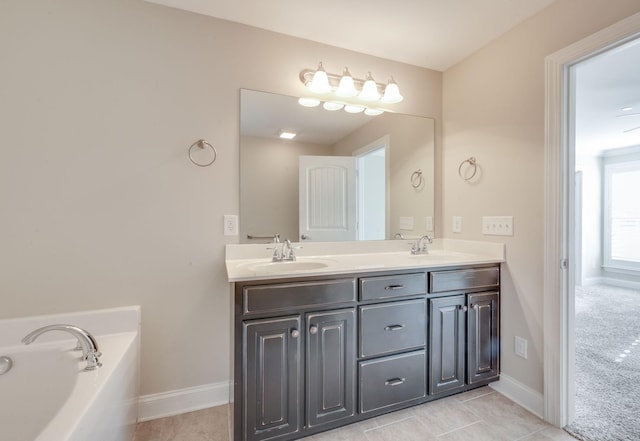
(394, 382)
(393, 327)
(392, 287)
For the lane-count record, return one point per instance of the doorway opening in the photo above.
(560, 217)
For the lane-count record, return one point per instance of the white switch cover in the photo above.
(521, 347)
(497, 225)
(457, 224)
(230, 224)
(406, 223)
(429, 223)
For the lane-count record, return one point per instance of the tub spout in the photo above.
(86, 342)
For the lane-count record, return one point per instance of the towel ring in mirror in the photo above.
(416, 178)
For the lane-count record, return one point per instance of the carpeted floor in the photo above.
(607, 364)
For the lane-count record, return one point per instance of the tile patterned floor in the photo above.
(478, 415)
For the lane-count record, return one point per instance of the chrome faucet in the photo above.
(86, 342)
(420, 247)
(283, 251)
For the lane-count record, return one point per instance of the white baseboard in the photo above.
(630, 284)
(151, 407)
(521, 394)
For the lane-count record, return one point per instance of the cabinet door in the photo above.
(447, 343)
(331, 366)
(272, 383)
(483, 337)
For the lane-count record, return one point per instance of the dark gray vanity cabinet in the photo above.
(464, 330)
(483, 343)
(316, 353)
(273, 379)
(447, 338)
(296, 362)
(331, 368)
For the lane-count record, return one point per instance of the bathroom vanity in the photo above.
(333, 339)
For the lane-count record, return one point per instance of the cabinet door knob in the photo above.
(463, 308)
(295, 333)
(313, 329)
(475, 307)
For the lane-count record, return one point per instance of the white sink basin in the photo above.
(289, 266)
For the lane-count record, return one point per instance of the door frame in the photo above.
(559, 247)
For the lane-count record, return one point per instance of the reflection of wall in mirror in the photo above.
(411, 147)
(269, 186)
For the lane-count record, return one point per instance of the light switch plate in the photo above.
(521, 347)
(230, 224)
(497, 225)
(429, 223)
(457, 224)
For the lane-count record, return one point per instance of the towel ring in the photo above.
(472, 163)
(201, 143)
(416, 178)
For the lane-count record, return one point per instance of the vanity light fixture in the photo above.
(332, 105)
(286, 134)
(322, 82)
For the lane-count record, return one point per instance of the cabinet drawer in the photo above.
(392, 380)
(390, 327)
(288, 296)
(383, 287)
(442, 281)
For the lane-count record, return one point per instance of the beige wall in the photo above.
(494, 110)
(99, 102)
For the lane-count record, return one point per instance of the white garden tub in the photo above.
(48, 396)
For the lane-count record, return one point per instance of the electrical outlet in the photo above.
(521, 347)
(230, 225)
(497, 225)
(457, 224)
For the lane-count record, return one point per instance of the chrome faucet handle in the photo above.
(420, 246)
(93, 360)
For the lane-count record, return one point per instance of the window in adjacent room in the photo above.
(622, 214)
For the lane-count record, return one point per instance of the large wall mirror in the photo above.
(343, 177)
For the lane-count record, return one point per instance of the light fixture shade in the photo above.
(369, 90)
(320, 81)
(332, 105)
(346, 88)
(350, 108)
(309, 102)
(373, 112)
(391, 93)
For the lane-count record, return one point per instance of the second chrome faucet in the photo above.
(86, 342)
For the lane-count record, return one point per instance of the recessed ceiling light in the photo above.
(285, 134)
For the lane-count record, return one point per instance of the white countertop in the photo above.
(253, 261)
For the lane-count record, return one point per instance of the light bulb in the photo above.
(331, 105)
(346, 88)
(320, 81)
(350, 108)
(373, 112)
(309, 102)
(369, 90)
(391, 93)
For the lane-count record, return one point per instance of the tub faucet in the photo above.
(86, 342)
(420, 247)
